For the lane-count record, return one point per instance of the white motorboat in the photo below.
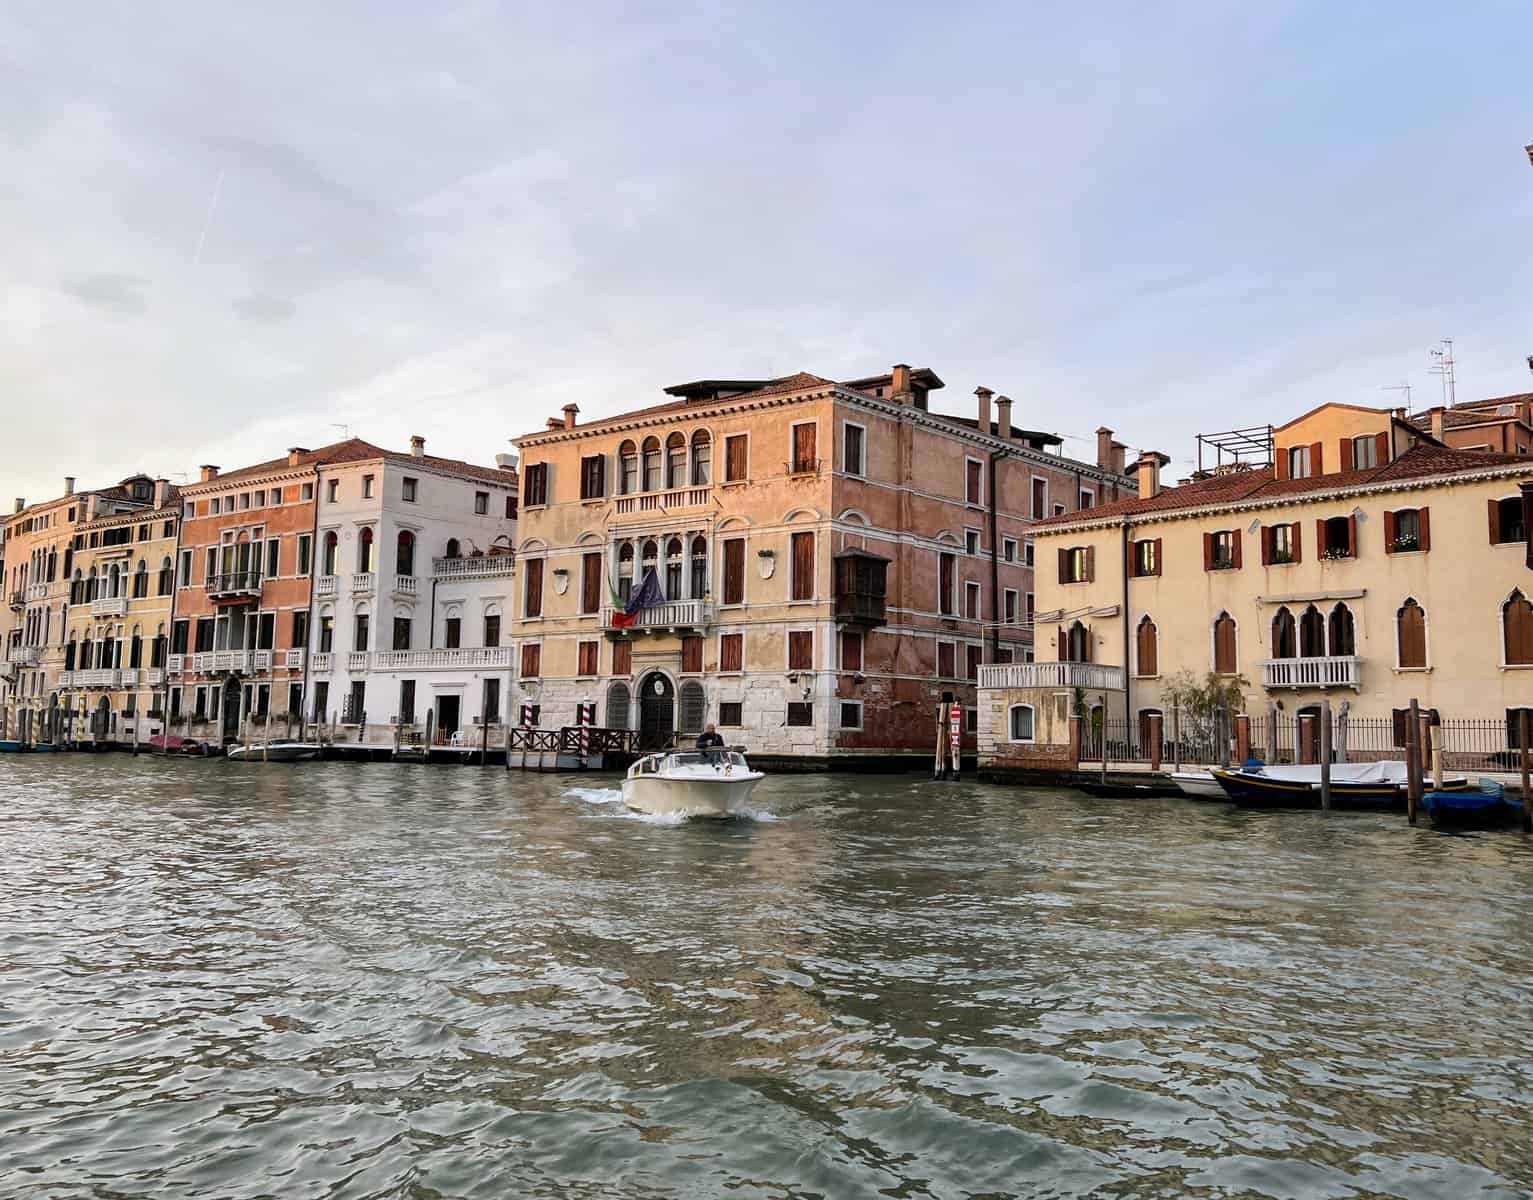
(278, 751)
(690, 783)
(1200, 785)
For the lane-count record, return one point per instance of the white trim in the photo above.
(862, 467)
(979, 603)
(1015, 547)
(1011, 729)
(979, 541)
(980, 463)
(1015, 596)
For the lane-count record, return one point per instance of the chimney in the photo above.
(1118, 449)
(209, 472)
(161, 492)
(506, 462)
(21, 504)
(899, 384)
(294, 453)
(1003, 418)
(570, 411)
(555, 423)
(1437, 415)
(1104, 447)
(1148, 470)
(417, 446)
(983, 412)
(69, 485)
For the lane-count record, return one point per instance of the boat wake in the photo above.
(610, 801)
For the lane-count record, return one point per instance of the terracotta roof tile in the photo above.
(356, 450)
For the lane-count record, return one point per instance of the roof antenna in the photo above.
(1399, 387)
(345, 430)
(1444, 368)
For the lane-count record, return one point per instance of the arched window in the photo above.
(114, 585)
(1076, 644)
(141, 580)
(648, 558)
(77, 589)
(404, 563)
(1285, 635)
(627, 469)
(1411, 635)
(1019, 722)
(1343, 633)
(1517, 629)
(1148, 647)
(617, 706)
(327, 560)
(136, 650)
(651, 464)
(167, 579)
(1225, 657)
(90, 585)
(625, 571)
(702, 458)
(676, 461)
(71, 654)
(692, 705)
(85, 651)
(1311, 633)
(453, 549)
(673, 569)
(365, 551)
(699, 567)
(157, 648)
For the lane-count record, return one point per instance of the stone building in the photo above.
(832, 557)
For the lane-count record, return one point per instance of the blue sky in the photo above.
(245, 225)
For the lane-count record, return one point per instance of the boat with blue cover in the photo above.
(1484, 806)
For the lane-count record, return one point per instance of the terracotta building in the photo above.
(1502, 424)
(830, 559)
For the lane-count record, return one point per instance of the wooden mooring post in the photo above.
(1413, 762)
(1523, 739)
(1325, 757)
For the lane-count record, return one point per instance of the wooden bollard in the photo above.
(1325, 757)
(1155, 722)
(1412, 763)
(1523, 739)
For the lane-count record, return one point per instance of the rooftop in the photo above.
(353, 450)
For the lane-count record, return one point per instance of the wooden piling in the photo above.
(484, 740)
(1325, 757)
(1413, 762)
(1176, 737)
(266, 745)
(1435, 736)
(1527, 793)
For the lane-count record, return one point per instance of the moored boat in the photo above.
(1484, 806)
(1199, 785)
(278, 751)
(1378, 786)
(691, 783)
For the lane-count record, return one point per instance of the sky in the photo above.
(226, 229)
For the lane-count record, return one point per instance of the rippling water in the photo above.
(332, 980)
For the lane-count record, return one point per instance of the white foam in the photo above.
(596, 795)
(607, 797)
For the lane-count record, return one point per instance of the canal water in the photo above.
(331, 980)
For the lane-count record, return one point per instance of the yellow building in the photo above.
(1366, 564)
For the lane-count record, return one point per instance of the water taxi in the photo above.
(691, 783)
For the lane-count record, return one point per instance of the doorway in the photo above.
(231, 709)
(657, 712)
(447, 718)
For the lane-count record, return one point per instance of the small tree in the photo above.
(1204, 706)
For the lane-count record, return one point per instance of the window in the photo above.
(947, 572)
(407, 701)
(510, 506)
(699, 587)
(404, 554)
(736, 457)
(402, 633)
(300, 634)
(731, 651)
(332, 490)
(731, 713)
(184, 569)
(851, 448)
(482, 499)
(1311, 633)
(1407, 530)
(1019, 722)
(1517, 630)
(367, 487)
(1040, 498)
(326, 633)
(692, 655)
(800, 650)
(1285, 635)
(273, 549)
(1146, 642)
(1008, 549)
(360, 632)
(702, 458)
(532, 603)
(1506, 524)
(590, 582)
(307, 491)
(165, 583)
(804, 459)
(803, 562)
(407, 489)
(691, 707)
(974, 481)
(492, 629)
(622, 658)
(1059, 510)
(593, 477)
(971, 541)
(532, 659)
(1280, 545)
(321, 699)
(651, 464)
(1224, 645)
(1146, 558)
(1009, 606)
(365, 562)
(1343, 632)
(354, 711)
(1077, 564)
(1365, 451)
(734, 571)
(851, 651)
(973, 656)
(628, 468)
(531, 715)
(1221, 550)
(1298, 462)
(618, 698)
(1027, 552)
(330, 554)
(1088, 498)
(675, 461)
(305, 552)
(1411, 636)
(947, 660)
(971, 600)
(586, 658)
(851, 714)
(800, 714)
(673, 569)
(452, 632)
(244, 501)
(1337, 537)
(1514, 738)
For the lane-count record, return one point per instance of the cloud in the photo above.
(122, 295)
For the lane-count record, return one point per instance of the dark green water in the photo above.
(327, 980)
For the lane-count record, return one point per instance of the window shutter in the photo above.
(590, 583)
(734, 571)
(1156, 571)
(1235, 549)
(1389, 532)
(1266, 545)
(1064, 645)
(1352, 536)
(1064, 561)
(1495, 521)
(1424, 525)
(1208, 552)
(1319, 537)
(1091, 563)
(1344, 459)
(1281, 464)
(1381, 449)
(1317, 459)
(803, 561)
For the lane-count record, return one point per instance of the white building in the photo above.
(412, 588)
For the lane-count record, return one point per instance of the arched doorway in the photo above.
(102, 725)
(231, 709)
(657, 711)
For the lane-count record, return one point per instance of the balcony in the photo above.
(482, 566)
(129, 677)
(235, 585)
(155, 676)
(18, 599)
(109, 606)
(1091, 677)
(66, 679)
(22, 656)
(260, 660)
(98, 678)
(292, 660)
(1336, 671)
(363, 583)
(229, 660)
(356, 661)
(324, 585)
(861, 588)
(665, 502)
(36, 591)
(672, 614)
(176, 664)
(486, 658)
(323, 662)
(404, 586)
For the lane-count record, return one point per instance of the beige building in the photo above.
(831, 559)
(1368, 565)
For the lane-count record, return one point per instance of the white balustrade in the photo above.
(322, 662)
(176, 664)
(1332, 671)
(405, 585)
(666, 501)
(293, 659)
(109, 606)
(356, 661)
(324, 585)
(363, 583)
(1088, 676)
(482, 566)
(671, 614)
(465, 658)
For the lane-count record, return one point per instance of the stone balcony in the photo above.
(36, 591)
(235, 585)
(486, 658)
(482, 566)
(664, 617)
(1091, 677)
(1331, 671)
(364, 583)
(659, 503)
(109, 606)
(22, 656)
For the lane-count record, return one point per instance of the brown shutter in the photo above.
(734, 456)
(1064, 645)
(1319, 538)
(1352, 536)
(803, 563)
(1156, 571)
(1494, 510)
(1527, 523)
(1208, 552)
(1294, 537)
(1412, 635)
(1064, 564)
(1389, 532)
(1235, 549)
(1281, 464)
(590, 583)
(692, 654)
(1317, 459)
(1424, 524)
(1381, 451)
(734, 571)
(1344, 458)
(1266, 545)
(534, 603)
(622, 658)
(1091, 563)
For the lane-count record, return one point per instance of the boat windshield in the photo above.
(706, 758)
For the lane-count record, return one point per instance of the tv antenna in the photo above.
(1399, 387)
(346, 429)
(1444, 368)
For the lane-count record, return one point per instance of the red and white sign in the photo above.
(954, 726)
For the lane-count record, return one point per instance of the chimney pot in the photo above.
(208, 471)
(570, 412)
(555, 423)
(417, 446)
(1148, 471)
(899, 384)
(69, 485)
(161, 492)
(1118, 450)
(1104, 447)
(982, 413)
(1003, 418)
(294, 453)
(506, 462)
(1438, 413)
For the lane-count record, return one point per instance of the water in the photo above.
(354, 981)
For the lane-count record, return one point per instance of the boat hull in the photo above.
(662, 797)
(1472, 809)
(1199, 785)
(1252, 791)
(298, 752)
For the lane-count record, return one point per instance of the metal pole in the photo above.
(1325, 757)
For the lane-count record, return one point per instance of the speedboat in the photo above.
(1199, 785)
(1485, 806)
(278, 751)
(1375, 786)
(690, 783)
